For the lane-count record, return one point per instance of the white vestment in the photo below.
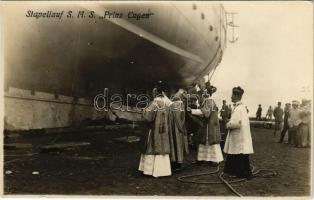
(155, 165)
(239, 139)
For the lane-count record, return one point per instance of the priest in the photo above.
(155, 160)
(238, 145)
(177, 131)
(209, 150)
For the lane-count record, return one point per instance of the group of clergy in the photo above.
(165, 144)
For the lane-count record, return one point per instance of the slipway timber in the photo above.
(55, 67)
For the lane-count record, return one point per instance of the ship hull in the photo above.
(77, 57)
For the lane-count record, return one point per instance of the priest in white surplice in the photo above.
(238, 143)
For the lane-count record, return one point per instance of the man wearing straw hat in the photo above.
(294, 121)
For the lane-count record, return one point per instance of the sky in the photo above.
(273, 57)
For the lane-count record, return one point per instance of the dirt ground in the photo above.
(107, 167)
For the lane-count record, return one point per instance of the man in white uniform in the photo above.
(238, 143)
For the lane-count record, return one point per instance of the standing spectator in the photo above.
(259, 112)
(294, 121)
(230, 110)
(238, 145)
(303, 132)
(224, 114)
(269, 113)
(278, 114)
(285, 123)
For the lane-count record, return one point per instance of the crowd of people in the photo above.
(297, 122)
(170, 121)
(295, 119)
(269, 113)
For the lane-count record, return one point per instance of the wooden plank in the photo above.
(127, 139)
(63, 146)
(18, 146)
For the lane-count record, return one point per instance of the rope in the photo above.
(211, 76)
(271, 173)
(228, 184)
(181, 178)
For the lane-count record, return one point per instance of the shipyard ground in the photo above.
(107, 167)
